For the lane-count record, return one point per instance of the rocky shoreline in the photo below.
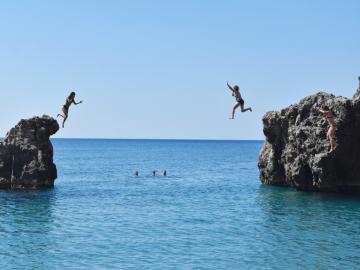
(296, 150)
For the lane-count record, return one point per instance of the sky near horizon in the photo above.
(158, 69)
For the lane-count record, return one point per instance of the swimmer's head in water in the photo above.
(236, 88)
(325, 108)
(72, 94)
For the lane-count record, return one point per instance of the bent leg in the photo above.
(65, 112)
(245, 109)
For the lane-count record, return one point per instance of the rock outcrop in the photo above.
(26, 155)
(296, 150)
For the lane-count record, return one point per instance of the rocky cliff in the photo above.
(26, 155)
(296, 150)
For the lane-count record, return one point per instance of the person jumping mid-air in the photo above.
(240, 102)
(331, 132)
(69, 100)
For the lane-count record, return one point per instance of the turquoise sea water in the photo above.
(211, 212)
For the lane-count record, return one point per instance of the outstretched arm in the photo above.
(229, 86)
(76, 103)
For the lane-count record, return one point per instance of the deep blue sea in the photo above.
(211, 212)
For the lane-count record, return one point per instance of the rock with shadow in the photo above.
(296, 150)
(26, 155)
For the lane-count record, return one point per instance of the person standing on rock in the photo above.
(239, 101)
(331, 132)
(69, 100)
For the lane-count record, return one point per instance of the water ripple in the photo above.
(210, 213)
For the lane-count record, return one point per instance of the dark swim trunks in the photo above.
(240, 100)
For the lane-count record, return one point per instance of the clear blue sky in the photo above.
(157, 69)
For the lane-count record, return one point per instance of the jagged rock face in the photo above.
(296, 150)
(26, 155)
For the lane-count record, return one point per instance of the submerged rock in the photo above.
(296, 150)
(26, 155)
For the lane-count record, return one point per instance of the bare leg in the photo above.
(64, 112)
(245, 110)
(64, 121)
(65, 117)
(331, 137)
(233, 111)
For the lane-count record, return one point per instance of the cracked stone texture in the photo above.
(26, 155)
(296, 150)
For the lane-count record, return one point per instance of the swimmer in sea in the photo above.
(331, 132)
(69, 100)
(239, 100)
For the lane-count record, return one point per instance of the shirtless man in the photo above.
(331, 132)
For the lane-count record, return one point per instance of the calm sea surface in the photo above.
(211, 212)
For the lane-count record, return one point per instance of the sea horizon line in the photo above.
(160, 139)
